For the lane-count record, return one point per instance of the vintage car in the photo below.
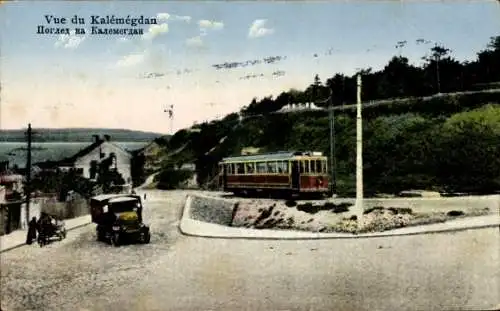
(119, 218)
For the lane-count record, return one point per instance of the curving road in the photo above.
(434, 272)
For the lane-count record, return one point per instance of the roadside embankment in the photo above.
(337, 215)
(212, 210)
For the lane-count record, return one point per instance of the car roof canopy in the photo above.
(112, 198)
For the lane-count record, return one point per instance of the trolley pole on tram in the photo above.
(359, 156)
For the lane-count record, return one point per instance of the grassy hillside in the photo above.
(439, 134)
(77, 135)
(448, 143)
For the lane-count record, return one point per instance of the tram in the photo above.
(284, 173)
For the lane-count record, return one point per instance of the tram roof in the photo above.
(277, 156)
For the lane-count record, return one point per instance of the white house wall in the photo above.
(123, 160)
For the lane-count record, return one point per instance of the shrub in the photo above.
(171, 179)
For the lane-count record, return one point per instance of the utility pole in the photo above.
(27, 186)
(359, 156)
(170, 111)
(437, 74)
(333, 164)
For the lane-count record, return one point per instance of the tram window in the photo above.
(281, 167)
(324, 167)
(240, 169)
(302, 166)
(318, 167)
(261, 167)
(271, 167)
(306, 166)
(250, 168)
(285, 166)
(227, 168)
(312, 166)
(233, 168)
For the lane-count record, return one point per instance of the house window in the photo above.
(112, 155)
(93, 169)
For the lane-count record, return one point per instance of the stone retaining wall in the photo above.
(212, 210)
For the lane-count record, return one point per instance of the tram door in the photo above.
(295, 175)
(224, 176)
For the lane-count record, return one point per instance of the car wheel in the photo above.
(115, 239)
(145, 237)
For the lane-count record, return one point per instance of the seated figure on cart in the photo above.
(48, 227)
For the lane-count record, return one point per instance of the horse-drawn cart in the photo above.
(50, 228)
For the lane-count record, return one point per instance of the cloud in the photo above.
(166, 16)
(257, 29)
(71, 41)
(156, 30)
(184, 18)
(194, 42)
(162, 16)
(206, 24)
(131, 59)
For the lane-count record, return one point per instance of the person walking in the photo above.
(32, 226)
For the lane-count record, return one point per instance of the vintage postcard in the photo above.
(249, 155)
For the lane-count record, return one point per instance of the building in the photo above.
(250, 150)
(102, 151)
(152, 154)
(300, 107)
(11, 202)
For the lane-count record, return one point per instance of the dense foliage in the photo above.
(171, 176)
(61, 183)
(440, 73)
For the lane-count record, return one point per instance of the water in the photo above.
(50, 151)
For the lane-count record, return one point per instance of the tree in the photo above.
(338, 86)
(437, 53)
(489, 62)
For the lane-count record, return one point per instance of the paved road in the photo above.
(174, 272)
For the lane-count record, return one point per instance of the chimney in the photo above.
(107, 137)
(95, 138)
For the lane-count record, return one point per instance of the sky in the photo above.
(130, 81)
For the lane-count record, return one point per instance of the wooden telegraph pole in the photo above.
(27, 186)
(333, 164)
